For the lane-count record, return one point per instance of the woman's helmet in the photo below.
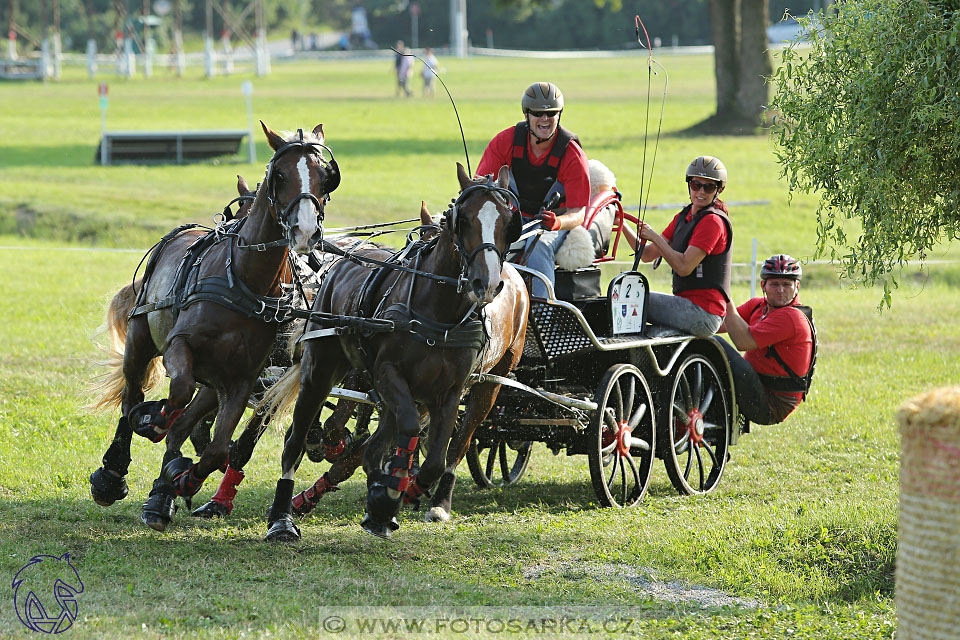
(708, 167)
(781, 266)
(542, 96)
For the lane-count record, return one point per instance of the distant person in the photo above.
(360, 28)
(294, 39)
(344, 42)
(772, 378)
(403, 65)
(696, 244)
(430, 64)
(544, 158)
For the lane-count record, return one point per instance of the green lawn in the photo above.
(799, 541)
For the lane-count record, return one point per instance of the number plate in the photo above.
(627, 296)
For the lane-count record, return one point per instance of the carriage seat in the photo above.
(579, 277)
(662, 331)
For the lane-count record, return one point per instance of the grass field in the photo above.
(799, 541)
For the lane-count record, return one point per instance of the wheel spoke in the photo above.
(707, 400)
(686, 469)
(681, 414)
(696, 450)
(610, 420)
(712, 454)
(631, 392)
(613, 470)
(636, 473)
(639, 443)
(610, 447)
(685, 388)
(623, 483)
(504, 462)
(491, 460)
(697, 390)
(637, 416)
(617, 397)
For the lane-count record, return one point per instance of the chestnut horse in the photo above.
(210, 305)
(433, 298)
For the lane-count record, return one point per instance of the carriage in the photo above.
(596, 379)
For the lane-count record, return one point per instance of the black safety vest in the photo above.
(534, 182)
(792, 382)
(713, 272)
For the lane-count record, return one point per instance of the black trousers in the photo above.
(753, 399)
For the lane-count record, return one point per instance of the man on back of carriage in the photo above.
(777, 333)
(544, 158)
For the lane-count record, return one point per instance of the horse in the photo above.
(434, 344)
(209, 305)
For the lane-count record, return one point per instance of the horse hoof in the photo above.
(147, 420)
(437, 514)
(283, 530)
(158, 511)
(106, 487)
(211, 510)
(380, 528)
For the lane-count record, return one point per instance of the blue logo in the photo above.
(623, 311)
(47, 581)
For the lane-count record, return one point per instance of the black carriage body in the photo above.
(571, 351)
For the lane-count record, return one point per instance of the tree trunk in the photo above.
(724, 25)
(754, 61)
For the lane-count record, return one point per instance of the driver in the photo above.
(772, 378)
(544, 158)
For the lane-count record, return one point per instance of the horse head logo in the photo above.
(39, 584)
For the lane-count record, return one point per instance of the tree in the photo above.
(741, 63)
(868, 118)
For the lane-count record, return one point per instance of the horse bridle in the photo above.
(330, 184)
(453, 226)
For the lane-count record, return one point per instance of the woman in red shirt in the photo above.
(696, 245)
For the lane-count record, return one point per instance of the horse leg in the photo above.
(316, 380)
(442, 418)
(341, 469)
(386, 488)
(481, 400)
(329, 440)
(187, 476)
(158, 510)
(221, 504)
(108, 483)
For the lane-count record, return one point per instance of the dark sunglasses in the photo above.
(708, 187)
(540, 114)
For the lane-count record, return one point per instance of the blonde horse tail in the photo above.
(279, 398)
(108, 387)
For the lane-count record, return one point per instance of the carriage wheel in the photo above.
(499, 465)
(622, 437)
(696, 433)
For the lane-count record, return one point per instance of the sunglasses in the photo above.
(707, 187)
(540, 114)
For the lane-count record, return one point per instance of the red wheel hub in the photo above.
(624, 435)
(695, 426)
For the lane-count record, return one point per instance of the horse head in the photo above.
(298, 184)
(479, 225)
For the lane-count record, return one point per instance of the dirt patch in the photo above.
(644, 580)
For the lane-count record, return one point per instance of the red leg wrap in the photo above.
(330, 452)
(306, 500)
(188, 482)
(227, 490)
(170, 417)
(414, 490)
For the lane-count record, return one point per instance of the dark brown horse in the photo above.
(210, 305)
(424, 362)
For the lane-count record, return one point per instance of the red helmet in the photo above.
(781, 266)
